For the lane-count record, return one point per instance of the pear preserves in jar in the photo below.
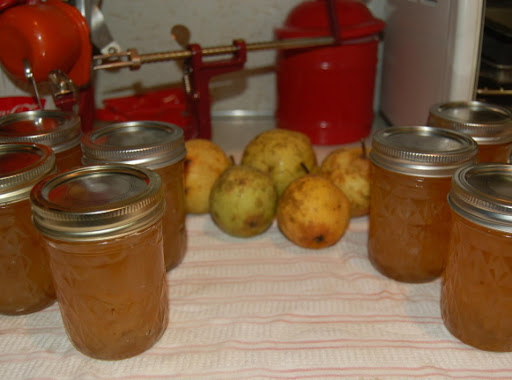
(476, 294)
(59, 130)
(489, 125)
(102, 229)
(411, 169)
(158, 146)
(25, 279)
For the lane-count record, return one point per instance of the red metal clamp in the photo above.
(197, 78)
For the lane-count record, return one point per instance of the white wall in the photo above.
(145, 26)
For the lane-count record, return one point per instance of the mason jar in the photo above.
(25, 279)
(102, 229)
(488, 124)
(155, 145)
(411, 170)
(60, 130)
(476, 295)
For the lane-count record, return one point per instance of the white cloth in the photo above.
(263, 308)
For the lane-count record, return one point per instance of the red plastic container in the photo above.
(15, 104)
(168, 105)
(327, 92)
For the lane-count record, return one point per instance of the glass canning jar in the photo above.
(102, 229)
(476, 295)
(411, 169)
(488, 124)
(158, 146)
(59, 130)
(25, 278)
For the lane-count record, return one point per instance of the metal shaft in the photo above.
(135, 60)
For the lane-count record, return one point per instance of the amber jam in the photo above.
(494, 153)
(489, 125)
(69, 158)
(102, 228)
(112, 294)
(59, 130)
(160, 147)
(25, 279)
(175, 235)
(409, 224)
(476, 296)
(409, 216)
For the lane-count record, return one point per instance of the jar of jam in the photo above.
(158, 146)
(489, 125)
(476, 295)
(411, 170)
(25, 278)
(102, 229)
(59, 130)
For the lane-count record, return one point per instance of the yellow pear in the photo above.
(349, 169)
(285, 155)
(243, 201)
(204, 163)
(313, 212)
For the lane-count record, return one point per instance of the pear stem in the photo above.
(364, 153)
(303, 165)
(232, 159)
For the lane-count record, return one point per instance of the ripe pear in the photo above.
(313, 212)
(243, 201)
(285, 155)
(204, 163)
(349, 169)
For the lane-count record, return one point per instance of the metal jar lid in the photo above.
(59, 130)
(422, 150)
(482, 194)
(22, 165)
(97, 202)
(485, 123)
(148, 143)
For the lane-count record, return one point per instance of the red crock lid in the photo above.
(310, 19)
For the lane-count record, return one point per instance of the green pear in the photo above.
(204, 163)
(313, 212)
(349, 169)
(285, 155)
(243, 201)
